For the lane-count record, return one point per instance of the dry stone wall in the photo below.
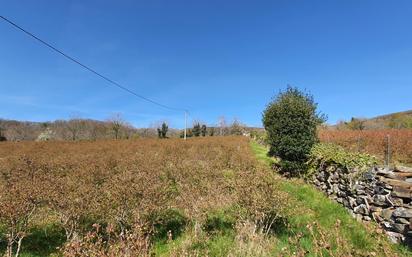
(379, 195)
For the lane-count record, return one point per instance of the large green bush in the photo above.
(290, 120)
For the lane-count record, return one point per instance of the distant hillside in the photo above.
(392, 120)
(392, 115)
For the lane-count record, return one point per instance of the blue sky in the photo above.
(212, 57)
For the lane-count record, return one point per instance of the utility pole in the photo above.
(185, 124)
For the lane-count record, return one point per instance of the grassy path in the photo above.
(313, 207)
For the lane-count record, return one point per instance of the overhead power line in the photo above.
(114, 83)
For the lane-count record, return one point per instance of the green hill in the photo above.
(396, 120)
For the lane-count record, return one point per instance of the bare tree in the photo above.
(20, 131)
(116, 122)
(96, 130)
(236, 128)
(222, 125)
(75, 127)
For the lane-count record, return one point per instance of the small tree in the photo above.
(211, 131)
(46, 135)
(196, 129)
(2, 137)
(204, 130)
(161, 132)
(75, 127)
(116, 123)
(290, 120)
(356, 124)
(236, 128)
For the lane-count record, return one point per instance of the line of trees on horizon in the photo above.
(115, 127)
(200, 129)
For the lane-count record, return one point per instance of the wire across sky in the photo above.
(106, 78)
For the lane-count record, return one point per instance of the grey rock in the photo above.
(321, 176)
(335, 188)
(395, 237)
(334, 177)
(346, 203)
(361, 209)
(342, 187)
(376, 217)
(357, 187)
(361, 192)
(375, 209)
(341, 194)
(379, 190)
(367, 218)
(331, 169)
(359, 200)
(386, 214)
(352, 201)
(380, 200)
(397, 202)
(402, 212)
(369, 175)
(400, 228)
(402, 221)
(387, 225)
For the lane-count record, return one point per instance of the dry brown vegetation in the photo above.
(114, 197)
(373, 142)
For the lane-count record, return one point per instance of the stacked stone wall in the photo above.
(380, 195)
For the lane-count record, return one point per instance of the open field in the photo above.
(202, 197)
(374, 142)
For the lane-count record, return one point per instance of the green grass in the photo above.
(261, 153)
(216, 237)
(41, 241)
(216, 244)
(316, 207)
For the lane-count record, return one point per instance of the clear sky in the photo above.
(212, 57)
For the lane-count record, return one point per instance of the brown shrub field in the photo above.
(115, 198)
(152, 197)
(374, 142)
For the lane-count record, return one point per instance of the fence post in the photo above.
(388, 152)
